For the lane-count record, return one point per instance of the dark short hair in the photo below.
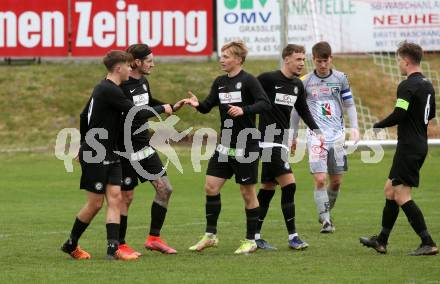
(410, 50)
(139, 50)
(114, 57)
(322, 50)
(292, 48)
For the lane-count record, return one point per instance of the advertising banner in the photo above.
(351, 26)
(33, 28)
(170, 27)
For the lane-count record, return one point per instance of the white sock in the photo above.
(291, 236)
(322, 204)
(257, 236)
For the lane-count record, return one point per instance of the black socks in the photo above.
(264, 198)
(158, 214)
(288, 206)
(212, 209)
(389, 217)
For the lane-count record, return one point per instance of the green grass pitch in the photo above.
(39, 201)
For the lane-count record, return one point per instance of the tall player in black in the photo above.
(137, 90)
(239, 97)
(101, 170)
(285, 91)
(414, 108)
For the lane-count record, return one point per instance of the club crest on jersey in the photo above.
(99, 186)
(145, 87)
(127, 181)
(335, 91)
(295, 90)
(238, 86)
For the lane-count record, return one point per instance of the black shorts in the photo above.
(406, 167)
(276, 166)
(245, 173)
(152, 165)
(95, 177)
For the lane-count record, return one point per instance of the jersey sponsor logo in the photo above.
(141, 99)
(324, 91)
(314, 92)
(231, 97)
(326, 109)
(284, 99)
(335, 91)
(330, 84)
(238, 86)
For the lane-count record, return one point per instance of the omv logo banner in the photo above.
(246, 11)
(254, 21)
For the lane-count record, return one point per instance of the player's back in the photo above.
(419, 93)
(101, 114)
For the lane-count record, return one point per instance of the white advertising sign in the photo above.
(351, 26)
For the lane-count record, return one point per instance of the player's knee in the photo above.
(268, 185)
(114, 199)
(127, 197)
(248, 196)
(401, 198)
(95, 205)
(320, 181)
(163, 189)
(211, 189)
(335, 184)
(388, 192)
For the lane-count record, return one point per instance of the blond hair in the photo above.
(238, 48)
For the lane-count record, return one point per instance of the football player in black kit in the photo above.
(285, 91)
(239, 97)
(137, 90)
(101, 169)
(414, 108)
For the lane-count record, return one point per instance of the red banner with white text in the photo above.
(40, 28)
(33, 28)
(169, 27)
